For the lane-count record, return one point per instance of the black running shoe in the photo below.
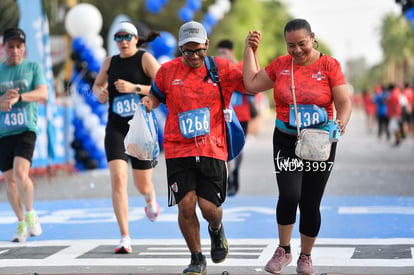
(219, 245)
(198, 265)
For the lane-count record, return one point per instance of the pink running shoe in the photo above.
(279, 260)
(124, 246)
(152, 210)
(304, 266)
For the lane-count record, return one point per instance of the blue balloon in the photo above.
(194, 5)
(77, 123)
(79, 166)
(78, 44)
(210, 19)
(93, 101)
(207, 26)
(100, 109)
(102, 163)
(94, 65)
(83, 88)
(88, 144)
(81, 134)
(409, 14)
(153, 6)
(87, 55)
(185, 14)
(166, 44)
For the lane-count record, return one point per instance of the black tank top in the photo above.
(129, 69)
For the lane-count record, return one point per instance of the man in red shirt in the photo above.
(194, 139)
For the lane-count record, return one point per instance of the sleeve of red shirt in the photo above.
(336, 76)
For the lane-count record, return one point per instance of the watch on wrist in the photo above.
(20, 98)
(138, 88)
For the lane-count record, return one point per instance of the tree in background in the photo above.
(9, 15)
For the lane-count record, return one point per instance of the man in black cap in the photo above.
(22, 86)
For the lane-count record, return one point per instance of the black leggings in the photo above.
(300, 183)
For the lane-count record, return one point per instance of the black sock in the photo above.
(196, 256)
(301, 253)
(286, 248)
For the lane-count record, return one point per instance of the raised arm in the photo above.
(255, 80)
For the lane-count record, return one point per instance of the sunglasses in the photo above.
(120, 37)
(198, 52)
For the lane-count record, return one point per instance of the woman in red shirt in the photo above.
(319, 81)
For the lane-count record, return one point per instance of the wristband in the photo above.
(20, 98)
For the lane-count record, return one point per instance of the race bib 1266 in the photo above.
(195, 122)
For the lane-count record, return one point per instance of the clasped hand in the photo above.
(253, 39)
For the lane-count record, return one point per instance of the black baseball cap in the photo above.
(14, 33)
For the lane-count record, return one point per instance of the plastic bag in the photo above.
(141, 141)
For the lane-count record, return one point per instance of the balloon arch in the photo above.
(83, 23)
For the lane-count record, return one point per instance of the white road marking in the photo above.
(74, 254)
(355, 210)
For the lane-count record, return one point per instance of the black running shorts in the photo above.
(21, 145)
(208, 176)
(115, 149)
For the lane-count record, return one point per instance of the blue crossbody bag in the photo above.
(235, 137)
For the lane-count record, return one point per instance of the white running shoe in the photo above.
(152, 210)
(33, 224)
(21, 233)
(124, 247)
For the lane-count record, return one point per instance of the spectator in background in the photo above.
(369, 108)
(394, 113)
(408, 112)
(380, 100)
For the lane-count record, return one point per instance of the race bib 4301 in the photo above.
(14, 119)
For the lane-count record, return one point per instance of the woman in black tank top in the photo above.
(123, 79)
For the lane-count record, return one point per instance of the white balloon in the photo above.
(83, 111)
(82, 20)
(98, 133)
(91, 122)
(216, 11)
(225, 5)
(93, 41)
(100, 53)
